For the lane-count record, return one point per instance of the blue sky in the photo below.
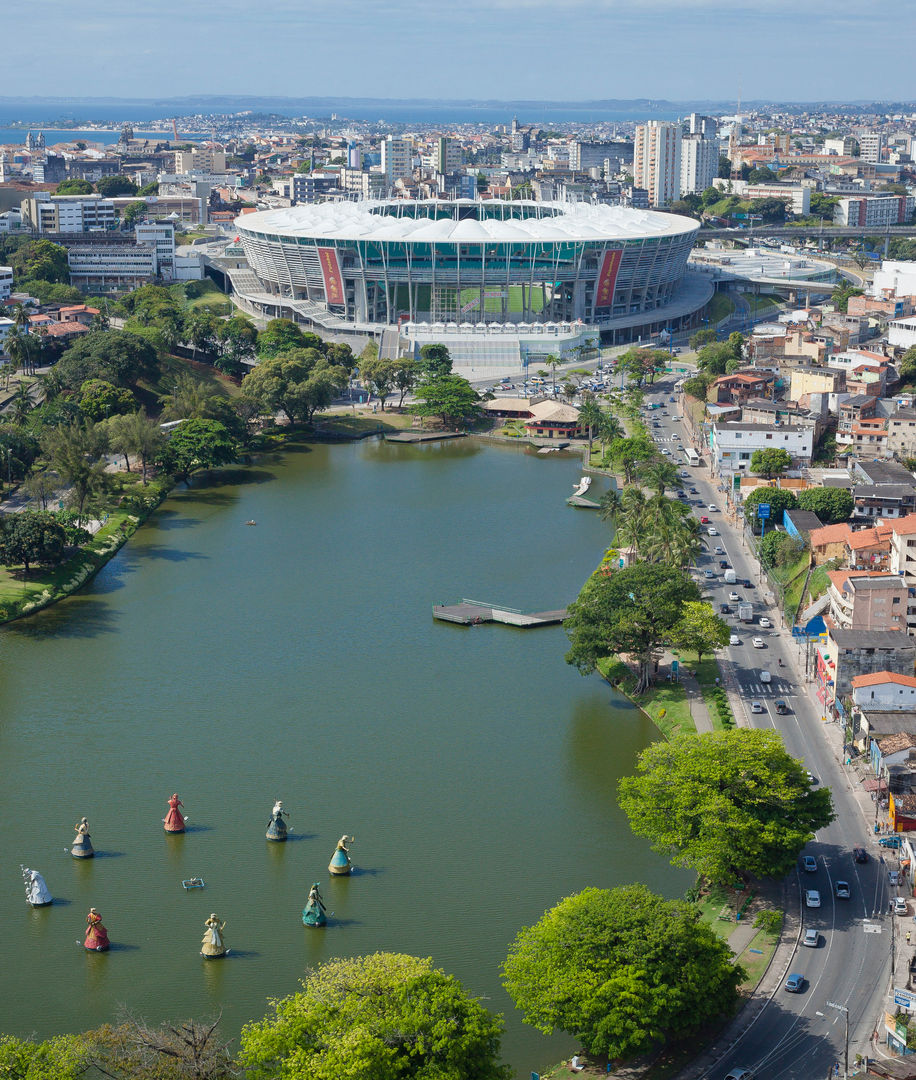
(545, 49)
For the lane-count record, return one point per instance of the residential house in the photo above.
(815, 380)
(829, 542)
(881, 472)
(862, 600)
(801, 523)
(901, 433)
(848, 653)
(869, 549)
(851, 413)
(733, 445)
(741, 387)
(553, 420)
(874, 501)
(867, 438)
(864, 379)
(884, 691)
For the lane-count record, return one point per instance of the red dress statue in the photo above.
(96, 939)
(174, 820)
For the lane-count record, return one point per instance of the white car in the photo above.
(765, 622)
(712, 509)
(812, 898)
(900, 907)
(812, 939)
(675, 435)
(666, 451)
(674, 419)
(712, 530)
(756, 707)
(734, 597)
(734, 639)
(758, 643)
(765, 676)
(719, 551)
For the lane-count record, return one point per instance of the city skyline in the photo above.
(565, 50)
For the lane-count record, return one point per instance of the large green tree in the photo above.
(111, 186)
(41, 259)
(630, 455)
(630, 612)
(435, 361)
(279, 336)
(61, 1058)
(700, 629)
(76, 453)
(386, 1016)
(75, 186)
(778, 499)
(450, 397)
(771, 462)
(117, 356)
(297, 383)
(100, 399)
(380, 376)
(135, 433)
(197, 444)
(29, 537)
(725, 803)
(830, 504)
(623, 970)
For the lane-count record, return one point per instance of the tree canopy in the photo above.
(630, 612)
(298, 382)
(450, 397)
(75, 186)
(110, 186)
(197, 444)
(29, 537)
(280, 336)
(771, 462)
(621, 969)
(435, 361)
(700, 629)
(100, 399)
(387, 1016)
(43, 260)
(831, 505)
(778, 499)
(725, 803)
(116, 356)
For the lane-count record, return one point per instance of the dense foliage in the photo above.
(725, 803)
(622, 970)
(386, 1016)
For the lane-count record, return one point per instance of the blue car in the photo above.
(890, 841)
(794, 983)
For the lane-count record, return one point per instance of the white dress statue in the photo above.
(36, 891)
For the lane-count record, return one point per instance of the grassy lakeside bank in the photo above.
(21, 595)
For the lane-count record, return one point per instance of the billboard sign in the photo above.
(763, 510)
(330, 271)
(607, 279)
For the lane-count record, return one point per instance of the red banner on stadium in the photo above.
(607, 279)
(330, 271)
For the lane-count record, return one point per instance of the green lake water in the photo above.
(298, 659)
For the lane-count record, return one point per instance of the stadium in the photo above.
(503, 274)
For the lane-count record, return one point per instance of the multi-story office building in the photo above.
(311, 187)
(47, 213)
(354, 155)
(161, 236)
(6, 282)
(699, 162)
(97, 268)
(363, 185)
(657, 161)
(593, 155)
(874, 211)
(397, 159)
(697, 124)
(448, 156)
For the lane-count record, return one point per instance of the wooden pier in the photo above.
(584, 504)
(473, 613)
(424, 436)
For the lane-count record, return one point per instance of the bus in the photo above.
(693, 458)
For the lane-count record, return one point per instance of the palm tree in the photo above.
(631, 520)
(76, 453)
(609, 504)
(135, 433)
(589, 418)
(191, 399)
(21, 319)
(607, 429)
(659, 475)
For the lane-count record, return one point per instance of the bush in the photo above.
(769, 921)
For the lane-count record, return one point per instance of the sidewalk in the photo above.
(699, 710)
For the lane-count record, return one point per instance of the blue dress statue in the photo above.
(276, 827)
(340, 860)
(314, 913)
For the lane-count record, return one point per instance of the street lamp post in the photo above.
(845, 1011)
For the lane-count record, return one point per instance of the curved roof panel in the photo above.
(380, 220)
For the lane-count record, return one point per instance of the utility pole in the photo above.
(845, 1011)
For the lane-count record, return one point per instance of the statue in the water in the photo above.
(36, 891)
(213, 945)
(174, 820)
(276, 827)
(96, 939)
(82, 844)
(340, 860)
(314, 913)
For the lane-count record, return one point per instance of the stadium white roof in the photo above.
(562, 222)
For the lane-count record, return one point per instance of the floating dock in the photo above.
(473, 613)
(424, 436)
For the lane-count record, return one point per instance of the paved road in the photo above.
(797, 1036)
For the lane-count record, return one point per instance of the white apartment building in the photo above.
(200, 159)
(901, 333)
(874, 211)
(733, 444)
(657, 161)
(47, 213)
(699, 162)
(871, 145)
(397, 159)
(6, 282)
(844, 147)
(895, 277)
(798, 196)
